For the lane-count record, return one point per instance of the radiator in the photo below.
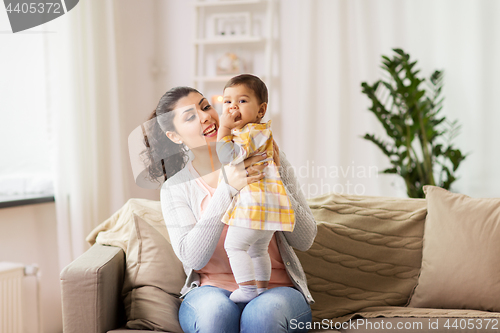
(11, 282)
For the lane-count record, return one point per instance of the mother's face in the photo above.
(196, 121)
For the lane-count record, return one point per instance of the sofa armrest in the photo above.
(91, 288)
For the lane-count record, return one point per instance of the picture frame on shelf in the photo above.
(232, 25)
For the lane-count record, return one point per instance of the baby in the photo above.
(260, 208)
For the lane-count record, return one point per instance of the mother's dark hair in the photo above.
(163, 157)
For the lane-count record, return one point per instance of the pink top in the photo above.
(217, 272)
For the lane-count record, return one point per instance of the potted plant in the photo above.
(419, 140)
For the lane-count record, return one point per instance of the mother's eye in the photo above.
(207, 107)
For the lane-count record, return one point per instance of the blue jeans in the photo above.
(208, 309)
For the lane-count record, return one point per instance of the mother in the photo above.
(193, 204)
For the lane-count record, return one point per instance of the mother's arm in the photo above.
(302, 236)
(194, 241)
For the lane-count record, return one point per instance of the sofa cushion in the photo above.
(461, 262)
(367, 252)
(116, 229)
(154, 277)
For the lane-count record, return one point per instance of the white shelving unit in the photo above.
(255, 46)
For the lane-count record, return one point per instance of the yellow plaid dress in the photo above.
(263, 205)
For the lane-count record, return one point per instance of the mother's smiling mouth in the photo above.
(210, 130)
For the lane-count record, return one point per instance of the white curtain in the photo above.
(90, 153)
(337, 44)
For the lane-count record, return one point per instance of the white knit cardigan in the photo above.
(195, 236)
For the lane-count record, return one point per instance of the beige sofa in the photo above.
(362, 269)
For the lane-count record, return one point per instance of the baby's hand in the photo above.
(230, 118)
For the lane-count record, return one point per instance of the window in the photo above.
(25, 154)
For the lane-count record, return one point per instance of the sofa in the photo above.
(377, 264)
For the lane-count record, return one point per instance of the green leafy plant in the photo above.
(419, 144)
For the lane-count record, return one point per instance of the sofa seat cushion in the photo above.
(367, 252)
(405, 319)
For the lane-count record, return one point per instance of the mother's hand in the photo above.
(276, 154)
(246, 172)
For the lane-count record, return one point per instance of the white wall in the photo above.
(154, 53)
(139, 72)
(29, 236)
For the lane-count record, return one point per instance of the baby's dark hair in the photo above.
(163, 157)
(253, 83)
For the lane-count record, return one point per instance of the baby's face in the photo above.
(244, 100)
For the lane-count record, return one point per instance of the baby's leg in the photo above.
(238, 241)
(258, 251)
